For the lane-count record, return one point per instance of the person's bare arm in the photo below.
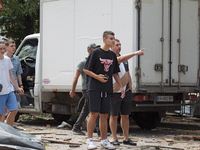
(117, 79)
(12, 79)
(99, 77)
(128, 56)
(72, 92)
(19, 79)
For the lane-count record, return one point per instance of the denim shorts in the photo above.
(8, 100)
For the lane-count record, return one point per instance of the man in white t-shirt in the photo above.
(7, 96)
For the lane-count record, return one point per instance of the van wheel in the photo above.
(60, 118)
(17, 117)
(147, 120)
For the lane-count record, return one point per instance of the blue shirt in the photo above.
(17, 69)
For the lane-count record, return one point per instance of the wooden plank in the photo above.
(35, 133)
(58, 141)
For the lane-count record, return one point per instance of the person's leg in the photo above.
(84, 113)
(125, 112)
(113, 126)
(11, 117)
(3, 99)
(114, 112)
(91, 123)
(94, 104)
(4, 115)
(103, 124)
(97, 123)
(125, 126)
(18, 97)
(12, 106)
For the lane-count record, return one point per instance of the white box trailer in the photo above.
(162, 78)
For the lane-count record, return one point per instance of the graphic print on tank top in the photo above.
(107, 63)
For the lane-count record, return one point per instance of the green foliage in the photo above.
(31, 117)
(19, 18)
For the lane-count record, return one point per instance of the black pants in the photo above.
(84, 113)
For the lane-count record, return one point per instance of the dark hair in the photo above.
(106, 33)
(2, 42)
(9, 41)
(117, 40)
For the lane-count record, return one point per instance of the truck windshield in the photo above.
(29, 49)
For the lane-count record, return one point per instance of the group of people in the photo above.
(106, 87)
(10, 71)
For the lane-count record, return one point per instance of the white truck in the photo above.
(162, 78)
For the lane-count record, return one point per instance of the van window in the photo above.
(29, 49)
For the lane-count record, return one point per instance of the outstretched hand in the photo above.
(140, 52)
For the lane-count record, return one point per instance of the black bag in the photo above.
(1, 87)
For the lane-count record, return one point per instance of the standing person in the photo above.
(85, 111)
(17, 69)
(101, 65)
(7, 96)
(119, 105)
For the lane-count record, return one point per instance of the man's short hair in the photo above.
(9, 41)
(117, 40)
(106, 33)
(2, 42)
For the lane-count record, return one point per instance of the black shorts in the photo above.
(119, 105)
(99, 102)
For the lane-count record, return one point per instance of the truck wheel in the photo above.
(60, 118)
(147, 120)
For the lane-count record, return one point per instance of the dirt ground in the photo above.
(160, 138)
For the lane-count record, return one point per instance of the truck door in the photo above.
(184, 43)
(27, 54)
(169, 30)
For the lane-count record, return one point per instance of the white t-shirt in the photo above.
(5, 66)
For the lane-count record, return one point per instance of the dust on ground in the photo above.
(160, 138)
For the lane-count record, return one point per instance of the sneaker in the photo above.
(129, 142)
(106, 144)
(90, 144)
(115, 142)
(63, 125)
(78, 132)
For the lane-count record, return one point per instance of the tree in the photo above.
(19, 18)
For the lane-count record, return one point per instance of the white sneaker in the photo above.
(106, 144)
(90, 144)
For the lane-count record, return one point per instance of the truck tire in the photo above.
(147, 120)
(60, 117)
